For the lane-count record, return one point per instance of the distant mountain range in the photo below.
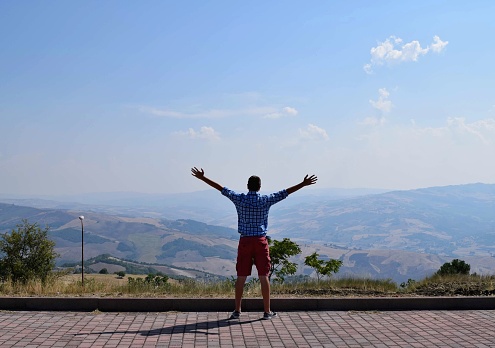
(397, 235)
(451, 221)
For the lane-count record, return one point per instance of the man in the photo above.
(252, 213)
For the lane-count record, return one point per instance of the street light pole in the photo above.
(82, 249)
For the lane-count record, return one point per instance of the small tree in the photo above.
(321, 267)
(120, 274)
(280, 251)
(103, 271)
(28, 253)
(455, 267)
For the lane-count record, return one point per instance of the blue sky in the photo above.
(103, 96)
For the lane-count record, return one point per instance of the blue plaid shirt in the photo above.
(252, 210)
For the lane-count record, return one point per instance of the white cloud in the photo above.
(483, 130)
(205, 133)
(438, 45)
(383, 103)
(368, 68)
(313, 132)
(411, 52)
(372, 121)
(286, 111)
(393, 51)
(209, 114)
(407, 155)
(478, 129)
(290, 111)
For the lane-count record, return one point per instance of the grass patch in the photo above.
(110, 285)
(342, 287)
(451, 285)
(106, 285)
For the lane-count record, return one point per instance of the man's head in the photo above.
(254, 183)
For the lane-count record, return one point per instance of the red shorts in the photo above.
(253, 250)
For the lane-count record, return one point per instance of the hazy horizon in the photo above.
(127, 96)
(307, 191)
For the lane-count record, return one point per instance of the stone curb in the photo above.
(105, 304)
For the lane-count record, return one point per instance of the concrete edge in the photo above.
(105, 304)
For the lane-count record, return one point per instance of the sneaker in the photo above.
(235, 315)
(269, 315)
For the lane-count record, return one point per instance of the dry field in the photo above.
(109, 279)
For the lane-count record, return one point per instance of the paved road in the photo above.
(212, 329)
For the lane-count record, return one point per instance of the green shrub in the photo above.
(455, 267)
(28, 254)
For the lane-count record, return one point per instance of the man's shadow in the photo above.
(196, 328)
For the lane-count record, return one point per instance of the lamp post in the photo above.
(82, 249)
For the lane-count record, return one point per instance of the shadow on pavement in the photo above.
(196, 328)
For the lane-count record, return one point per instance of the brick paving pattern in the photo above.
(212, 329)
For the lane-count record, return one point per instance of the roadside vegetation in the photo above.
(111, 285)
(454, 285)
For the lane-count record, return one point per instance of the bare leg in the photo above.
(239, 290)
(265, 292)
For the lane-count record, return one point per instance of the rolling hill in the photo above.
(453, 221)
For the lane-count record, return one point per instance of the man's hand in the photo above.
(200, 174)
(197, 173)
(310, 180)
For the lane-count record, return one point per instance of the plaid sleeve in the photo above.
(232, 195)
(277, 197)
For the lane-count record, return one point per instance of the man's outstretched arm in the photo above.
(200, 174)
(306, 182)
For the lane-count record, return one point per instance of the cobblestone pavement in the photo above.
(212, 329)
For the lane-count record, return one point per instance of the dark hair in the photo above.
(254, 183)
